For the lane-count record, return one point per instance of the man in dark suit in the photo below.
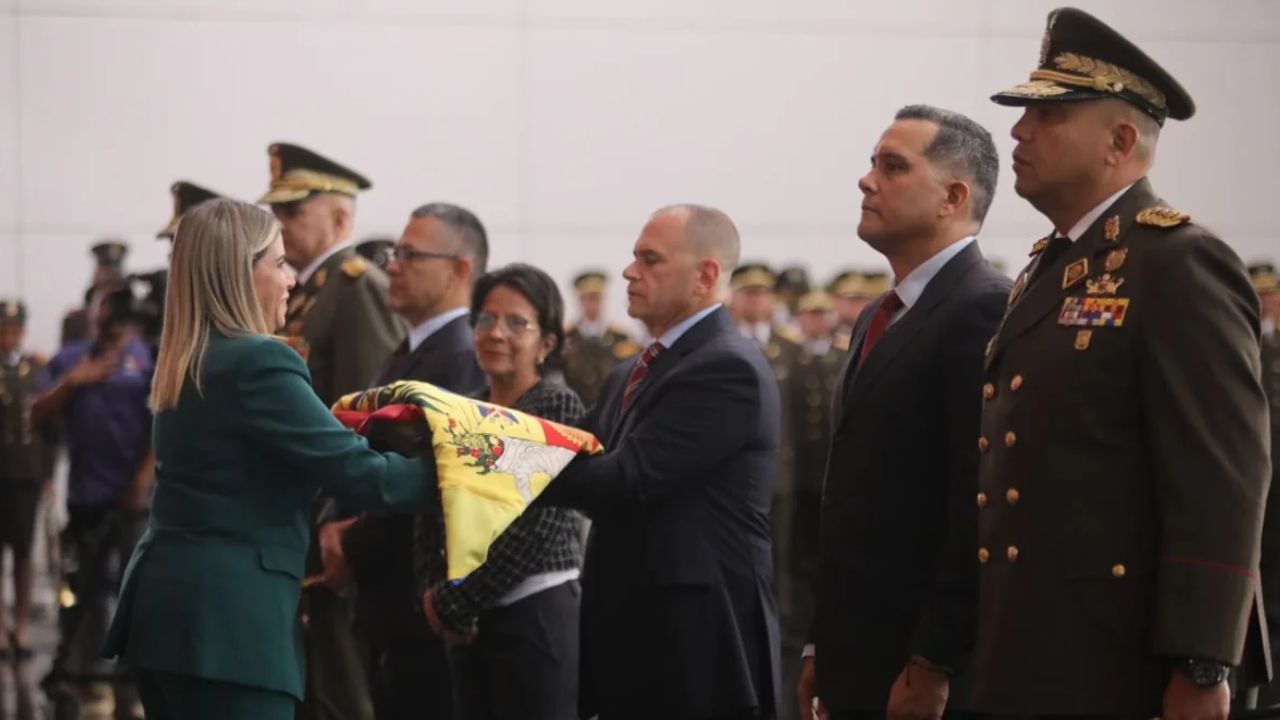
(678, 620)
(440, 254)
(896, 581)
(1124, 459)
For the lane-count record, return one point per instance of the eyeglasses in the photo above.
(404, 253)
(513, 324)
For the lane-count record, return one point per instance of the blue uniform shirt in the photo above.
(106, 427)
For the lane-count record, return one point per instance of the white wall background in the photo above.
(562, 123)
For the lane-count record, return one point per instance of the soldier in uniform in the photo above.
(1267, 284)
(1123, 448)
(338, 320)
(752, 304)
(853, 290)
(186, 195)
(108, 270)
(25, 465)
(593, 346)
(793, 282)
(377, 250)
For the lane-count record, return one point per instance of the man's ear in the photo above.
(1125, 137)
(957, 200)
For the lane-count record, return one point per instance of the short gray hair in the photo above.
(964, 148)
(467, 229)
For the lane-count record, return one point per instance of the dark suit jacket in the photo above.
(379, 547)
(212, 590)
(899, 524)
(678, 619)
(1138, 450)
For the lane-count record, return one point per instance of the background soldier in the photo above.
(1124, 456)
(25, 467)
(108, 270)
(186, 195)
(377, 250)
(593, 346)
(338, 320)
(1267, 283)
(853, 290)
(793, 282)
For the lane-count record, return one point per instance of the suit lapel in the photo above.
(666, 362)
(898, 335)
(1047, 292)
(444, 338)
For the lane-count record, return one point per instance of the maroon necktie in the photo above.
(640, 372)
(879, 322)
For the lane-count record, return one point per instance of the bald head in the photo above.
(709, 233)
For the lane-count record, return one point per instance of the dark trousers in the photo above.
(410, 677)
(166, 696)
(523, 663)
(881, 714)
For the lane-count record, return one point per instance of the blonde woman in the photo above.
(208, 612)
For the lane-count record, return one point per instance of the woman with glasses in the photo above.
(519, 610)
(208, 613)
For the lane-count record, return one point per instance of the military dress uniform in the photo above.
(339, 322)
(26, 459)
(589, 357)
(1123, 450)
(186, 195)
(108, 257)
(1266, 282)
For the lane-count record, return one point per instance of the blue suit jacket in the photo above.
(678, 617)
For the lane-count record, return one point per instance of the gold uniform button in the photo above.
(1010, 439)
(983, 444)
(1117, 570)
(983, 556)
(1012, 553)
(1012, 495)
(982, 500)
(988, 391)
(1016, 383)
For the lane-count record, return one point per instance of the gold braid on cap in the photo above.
(312, 181)
(1101, 76)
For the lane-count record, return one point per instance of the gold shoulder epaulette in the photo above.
(355, 267)
(620, 331)
(1160, 216)
(841, 342)
(624, 349)
(1039, 247)
(788, 333)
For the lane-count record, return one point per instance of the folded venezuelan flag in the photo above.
(491, 461)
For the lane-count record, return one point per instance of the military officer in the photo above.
(793, 282)
(853, 290)
(377, 250)
(108, 269)
(186, 195)
(1267, 283)
(593, 346)
(339, 321)
(25, 465)
(752, 304)
(1123, 450)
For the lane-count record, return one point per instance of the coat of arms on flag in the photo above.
(491, 462)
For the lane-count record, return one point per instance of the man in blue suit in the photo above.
(678, 620)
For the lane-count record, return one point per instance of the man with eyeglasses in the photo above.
(338, 320)
(434, 266)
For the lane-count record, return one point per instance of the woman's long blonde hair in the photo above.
(210, 288)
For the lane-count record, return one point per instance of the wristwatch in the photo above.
(1204, 673)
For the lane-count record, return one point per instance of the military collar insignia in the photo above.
(1162, 217)
(1112, 229)
(1115, 259)
(1018, 287)
(355, 267)
(1074, 273)
(1039, 247)
(1082, 339)
(1104, 285)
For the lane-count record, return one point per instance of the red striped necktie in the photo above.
(879, 323)
(640, 372)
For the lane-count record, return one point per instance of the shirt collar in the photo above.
(419, 335)
(761, 332)
(672, 336)
(592, 328)
(1092, 216)
(305, 273)
(914, 284)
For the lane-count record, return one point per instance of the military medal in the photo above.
(1104, 285)
(1093, 311)
(1075, 272)
(1115, 259)
(1112, 229)
(1082, 339)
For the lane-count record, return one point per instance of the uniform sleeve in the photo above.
(945, 631)
(1206, 424)
(285, 419)
(365, 335)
